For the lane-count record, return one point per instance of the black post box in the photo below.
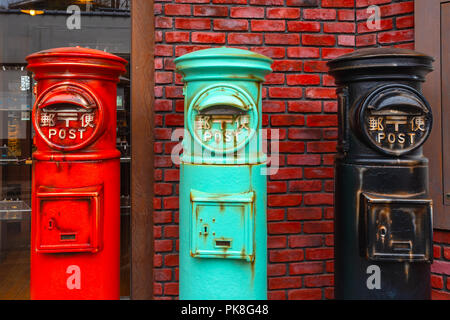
(383, 213)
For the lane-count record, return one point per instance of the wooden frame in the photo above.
(436, 149)
(142, 96)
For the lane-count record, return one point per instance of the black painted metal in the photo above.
(383, 214)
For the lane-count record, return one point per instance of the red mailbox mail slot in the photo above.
(69, 220)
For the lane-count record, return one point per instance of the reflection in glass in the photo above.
(28, 26)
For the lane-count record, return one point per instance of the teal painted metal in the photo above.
(223, 189)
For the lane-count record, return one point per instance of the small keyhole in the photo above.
(206, 229)
(383, 232)
(51, 224)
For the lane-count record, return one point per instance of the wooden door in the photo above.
(432, 36)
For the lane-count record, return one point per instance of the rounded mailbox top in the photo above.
(379, 64)
(223, 63)
(76, 62)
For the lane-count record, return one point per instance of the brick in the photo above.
(338, 3)
(163, 50)
(230, 24)
(163, 161)
(319, 199)
(280, 92)
(320, 146)
(276, 242)
(276, 270)
(441, 236)
(273, 106)
(163, 22)
(320, 280)
(302, 3)
(366, 3)
(171, 175)
(174, 119)
(276, 295)
(162, 217)
(285, 200)
(193, 23)
(319, 14)
(287, 65)
(287, 173)
(396, 36)
(177, 9)
(171, 202)
(301, 241)
(305, 185)
(162, 105)
(346, 15)
(303, 159)
(282, 38)
(318, 40)
(291, 147)
(346, 40)
(183, 49)
(303, 26)
(171, 231)
(286, 255)
(208, 37)
(171, 289)
(287, 120)
(318, 227)
(210, 11)
(440, 295)
(303, 52)
(319, 253)
(321, 93)
(319, 173)
(163, 245)
(321, 120)
(366, 40)
(441, 267)
(276, 187)
(384, 24)
(275, 214)
(246, 12)
(339, 27)
(285, 283)
(268, 25)
(404, 22)
(447, 253)
(171, 260)
(283, 13)
(302, 79)
(245, 38)
(304, 134)
(306, 105)
(271, 52)
(163, 274)
(437, 282)
(177, 36)
(274, 78)
(305, 294)
(174, 92)
(229, 1)
(267, 2)
(315, 66)
(162, 189)
(304, 213)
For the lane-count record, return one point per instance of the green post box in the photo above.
(223, 185)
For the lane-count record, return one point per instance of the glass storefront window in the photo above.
(27, 27)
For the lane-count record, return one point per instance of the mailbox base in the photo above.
(366, 265)
(223, 232)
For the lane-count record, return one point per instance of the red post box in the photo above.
(75, 226)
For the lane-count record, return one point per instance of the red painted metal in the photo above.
(75, 230)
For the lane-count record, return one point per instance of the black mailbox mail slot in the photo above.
(396, 229)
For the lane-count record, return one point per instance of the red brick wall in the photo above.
(298, 99)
